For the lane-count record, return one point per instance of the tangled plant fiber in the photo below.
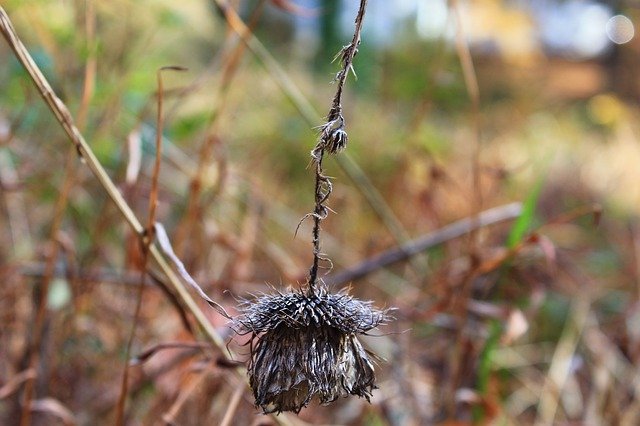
(305, 346)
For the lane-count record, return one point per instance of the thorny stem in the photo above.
(333, 138)
(347, 54)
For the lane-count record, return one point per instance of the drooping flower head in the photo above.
(305, 345)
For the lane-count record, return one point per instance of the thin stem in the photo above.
(471, 84)
(425, 242)
(348, 53)
(91, 66)
(319, 213)
(333, 137)
(473, 90)
(146, 243)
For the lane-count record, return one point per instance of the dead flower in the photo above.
(333, 136)
(305, 345)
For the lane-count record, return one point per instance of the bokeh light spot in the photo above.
(620, 29)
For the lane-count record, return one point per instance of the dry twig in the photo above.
(446, 233)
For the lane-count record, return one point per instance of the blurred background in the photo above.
(458, 107)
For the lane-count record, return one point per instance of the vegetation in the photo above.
(494, 210)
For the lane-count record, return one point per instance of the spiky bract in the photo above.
(306, 346)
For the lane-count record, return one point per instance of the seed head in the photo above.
(305, 346)
(333, 136)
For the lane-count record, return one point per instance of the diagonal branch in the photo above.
(413, 247)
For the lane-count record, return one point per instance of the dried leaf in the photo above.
(134, 149)
(517, 325)
(55, 408)
(163, 240)
(549, 250)
(14, 384)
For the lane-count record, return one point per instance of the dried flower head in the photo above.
(333, 136)
(305, 346)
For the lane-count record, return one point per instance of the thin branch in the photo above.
(91, 64)
(471, 84)
(148, 353)
(413, 247)
(146, 243)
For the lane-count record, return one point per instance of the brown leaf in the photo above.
(163, 240)
(14, 384)
(549, 250)
(55, 408)
(517, 325)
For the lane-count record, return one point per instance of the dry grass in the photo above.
(531, 321)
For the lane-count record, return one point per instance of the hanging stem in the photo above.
(322, 191)
(347, 54)
(333, 138)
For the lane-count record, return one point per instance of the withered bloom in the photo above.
(305, 346)
(333, 136)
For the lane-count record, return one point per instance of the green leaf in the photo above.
(526, 219)
(484, 367)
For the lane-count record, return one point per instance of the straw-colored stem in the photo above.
(83, 149)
